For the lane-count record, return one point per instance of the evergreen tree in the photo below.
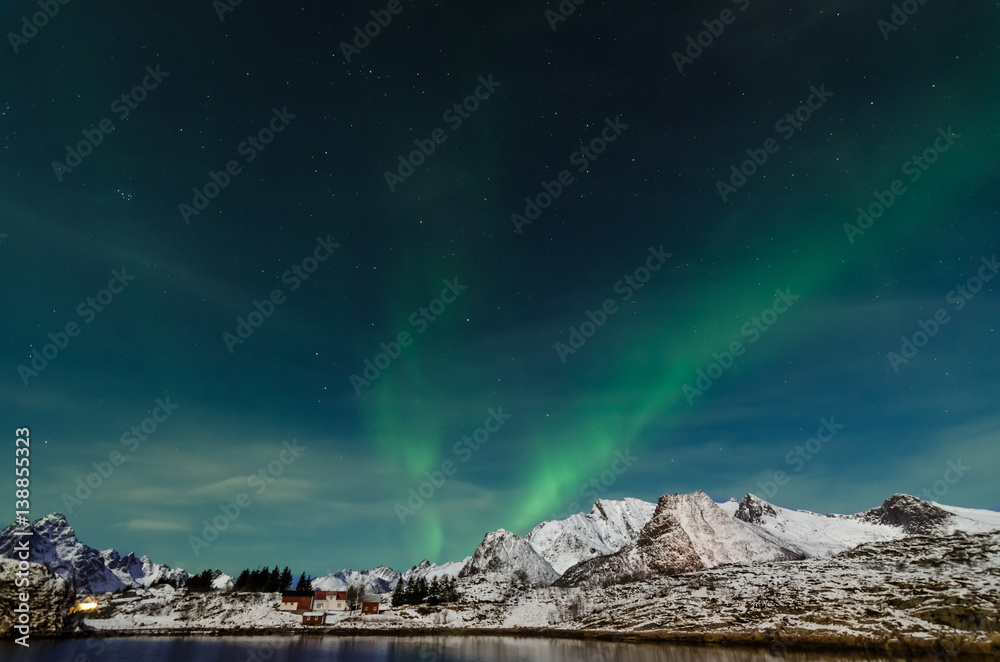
(273, 579)
(304, 584)
(241, 582)
(434, 592)
(285, 580)
(397, 594)
(200, 583)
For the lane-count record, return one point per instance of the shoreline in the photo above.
(778, 642)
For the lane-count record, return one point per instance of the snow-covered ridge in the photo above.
(504, 554)
(141, 571)
(608, 527)
(687, 532)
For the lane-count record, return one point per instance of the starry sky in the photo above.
(358, 299)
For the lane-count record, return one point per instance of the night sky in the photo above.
(230, 251)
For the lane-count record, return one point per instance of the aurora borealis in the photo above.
(374, 251)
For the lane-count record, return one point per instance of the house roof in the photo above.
(297, 594)
(371, 598)
(314, 613)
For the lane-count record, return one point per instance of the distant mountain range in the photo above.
(617, 541)
(54, 544)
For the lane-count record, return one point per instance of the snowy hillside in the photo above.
(806, 533)
(608, 527)
(504, 555)
(989, 520)
(813, 535)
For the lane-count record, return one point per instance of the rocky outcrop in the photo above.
(753, 509)
(50, 598)
(913, 515)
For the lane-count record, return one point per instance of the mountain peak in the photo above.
(687, 532)
(752, 509)
(913, 515)
(506, 554)
(55, 545)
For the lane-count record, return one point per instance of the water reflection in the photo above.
(390, 649)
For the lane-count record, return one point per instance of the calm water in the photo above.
(386, 649)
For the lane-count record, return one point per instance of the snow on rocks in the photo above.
(508, 555)
(608, 527)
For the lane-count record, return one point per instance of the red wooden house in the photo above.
(296, 600)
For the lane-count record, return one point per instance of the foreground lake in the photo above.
(390, 649)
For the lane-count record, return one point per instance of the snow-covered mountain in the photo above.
(815, 535)
(806, 533)
(917, 517)
(141, 571)
(54, 544)
(429, 571)
(687, 532)
(609, 526)
(221, 581)
(616, 541)
(503, 554)
(377, 580)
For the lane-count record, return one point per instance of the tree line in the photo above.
(419, 590)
